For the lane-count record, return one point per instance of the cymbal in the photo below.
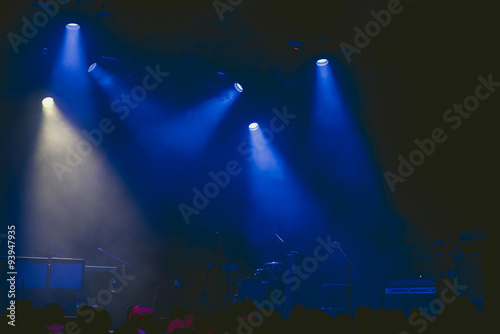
(272, 263)
(229, 267)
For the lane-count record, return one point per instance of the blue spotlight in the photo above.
(322, 62)
(72, 26)
(238, 87)
(253, 126)
(91, 67)
(48, 102)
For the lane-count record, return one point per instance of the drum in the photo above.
(273, 270)
(260, 274)
(251, 288)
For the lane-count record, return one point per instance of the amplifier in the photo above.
(407, 294)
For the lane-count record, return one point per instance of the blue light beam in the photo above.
(69, 79)
(261, 152)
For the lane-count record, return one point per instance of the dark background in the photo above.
(124, 197)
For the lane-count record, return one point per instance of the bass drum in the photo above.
(251, 288)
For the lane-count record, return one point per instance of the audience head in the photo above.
(141, 317)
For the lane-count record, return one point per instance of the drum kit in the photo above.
(263, 281)
(256, 287)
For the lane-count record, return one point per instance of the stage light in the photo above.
(47, 102)
(91, 67)
(322, 62)
(238, 87)
(72, 26)
(253, 126)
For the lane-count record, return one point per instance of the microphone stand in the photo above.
(114, 257)
(349, 264)
(282, 266)
(219, 246)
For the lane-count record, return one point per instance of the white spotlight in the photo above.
(238, 87)
(322, 62)
(72, 26)
(253, 126)
(48, 102)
